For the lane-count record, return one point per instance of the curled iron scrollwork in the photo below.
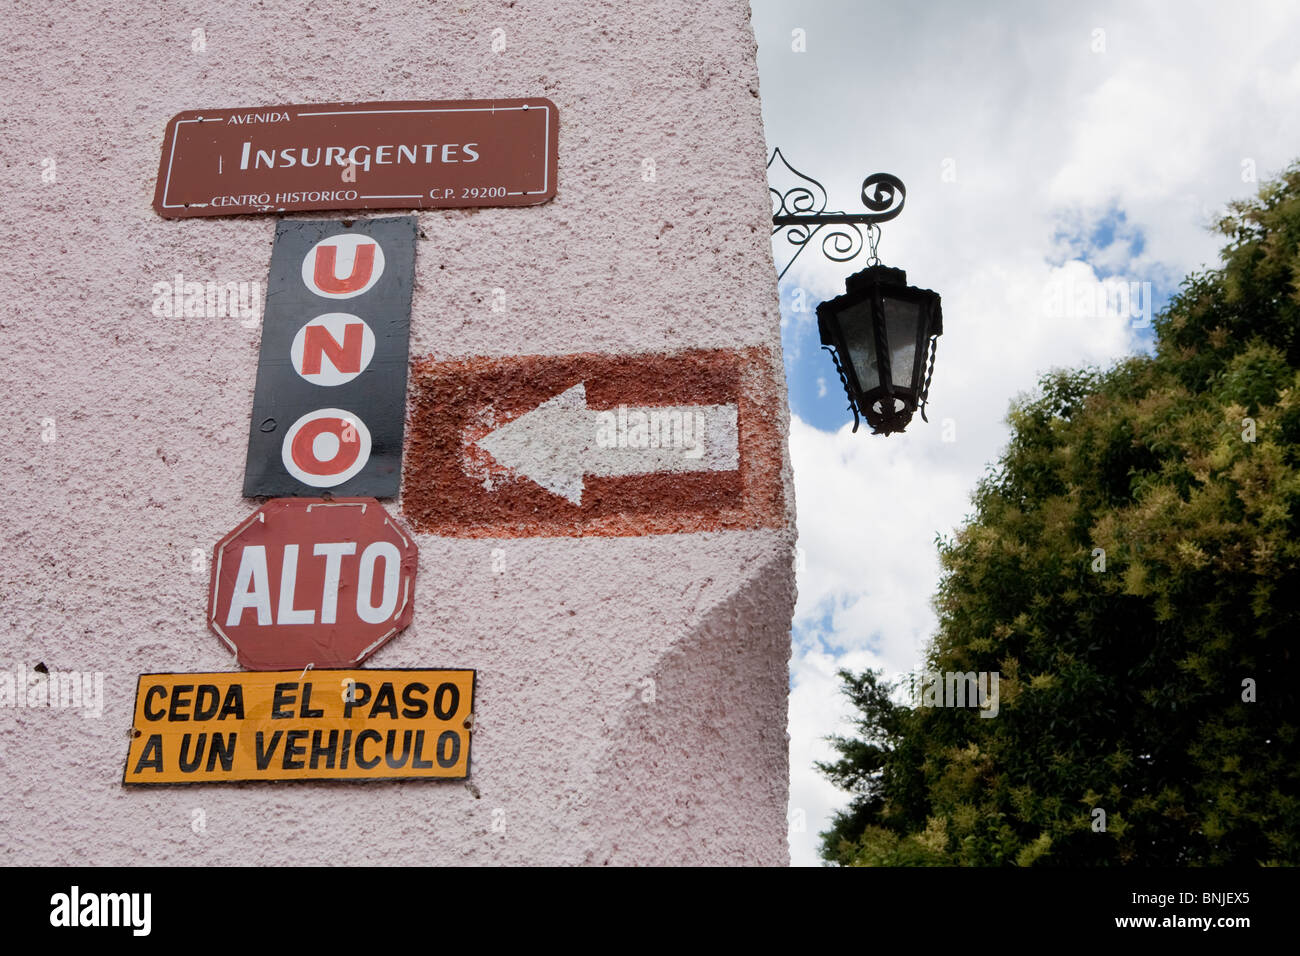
(798, 199)
(800, 211)
(842, 243)
(881, 200)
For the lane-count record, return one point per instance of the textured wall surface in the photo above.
(631, 703)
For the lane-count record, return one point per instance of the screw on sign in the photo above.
(310, 581)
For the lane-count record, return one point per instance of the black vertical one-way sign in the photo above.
(329, 408)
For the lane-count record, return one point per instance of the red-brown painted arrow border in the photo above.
(455, 402)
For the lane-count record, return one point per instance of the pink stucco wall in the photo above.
(631, 703)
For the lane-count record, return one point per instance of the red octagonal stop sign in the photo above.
(310, 581)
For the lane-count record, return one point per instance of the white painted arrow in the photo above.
(561, 440)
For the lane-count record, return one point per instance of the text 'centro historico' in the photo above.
(429, 154)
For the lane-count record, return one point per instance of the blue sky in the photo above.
(1054, 156)
(1105, 245)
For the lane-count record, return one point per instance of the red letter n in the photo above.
(345, 357)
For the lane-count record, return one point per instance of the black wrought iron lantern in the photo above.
(882, 334)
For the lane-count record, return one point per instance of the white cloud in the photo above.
(816, 705)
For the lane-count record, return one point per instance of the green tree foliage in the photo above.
(1120, 689)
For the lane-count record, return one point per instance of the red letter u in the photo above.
(363, 264)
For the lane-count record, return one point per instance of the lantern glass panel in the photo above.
(860, 339)
(901, 320)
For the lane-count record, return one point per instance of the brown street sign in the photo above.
(427, 154)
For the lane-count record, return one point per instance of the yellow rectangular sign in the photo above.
(287, 725)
